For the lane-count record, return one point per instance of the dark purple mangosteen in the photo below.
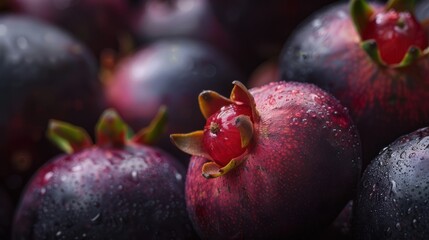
(100, 24)
(119, 188)
(373, 58)
(45, 74)
(392, 197)
(172, 73)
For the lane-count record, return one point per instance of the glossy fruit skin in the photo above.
(393, 192)
(100, 24)
(104, 193)
(384, 102)
(170, 72)
(45, 74)
(300, 172)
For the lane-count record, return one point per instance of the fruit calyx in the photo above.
(228, 132)
(392, 37)
(111, 132)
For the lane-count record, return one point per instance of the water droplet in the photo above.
(96, 219)
(48, 176)
(76, 168)
(393, 188)
(120, 187)
(134, 175)
(317, 23)
(402, 155)
(388, 232)
(398, 226)
(412, 155)
(414, 223)
(42, 191)
(58, 233)
(178, 176)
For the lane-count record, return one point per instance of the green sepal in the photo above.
(151, 133)
(410, 57)
(111, 130)
(361, 13)
(401, 5)
(371, 48)
(68, 137)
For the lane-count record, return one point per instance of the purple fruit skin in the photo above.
(45, 73)
(135, 193)
(100, 24)
(392, 197)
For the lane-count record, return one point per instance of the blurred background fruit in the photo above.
(172, 73)
(45, 73)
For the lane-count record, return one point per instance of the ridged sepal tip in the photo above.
(360, 12)
(213, 170)
(111, 130)
(191, 143)
(68, 137)
(151, 133)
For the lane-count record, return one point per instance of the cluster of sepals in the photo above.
(111, 132)
(362, 12)
(211, 102)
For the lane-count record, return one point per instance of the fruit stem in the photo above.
(361, 13)
(68, 137)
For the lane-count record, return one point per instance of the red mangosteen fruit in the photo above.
(45, 73)
(373, 58)
(278, 161)
(118, 188)
(169, 72)
(392, 197)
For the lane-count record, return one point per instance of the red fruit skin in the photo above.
(385, 103)
(135, 193)
(300, 172)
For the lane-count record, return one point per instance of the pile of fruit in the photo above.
(258, 119)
